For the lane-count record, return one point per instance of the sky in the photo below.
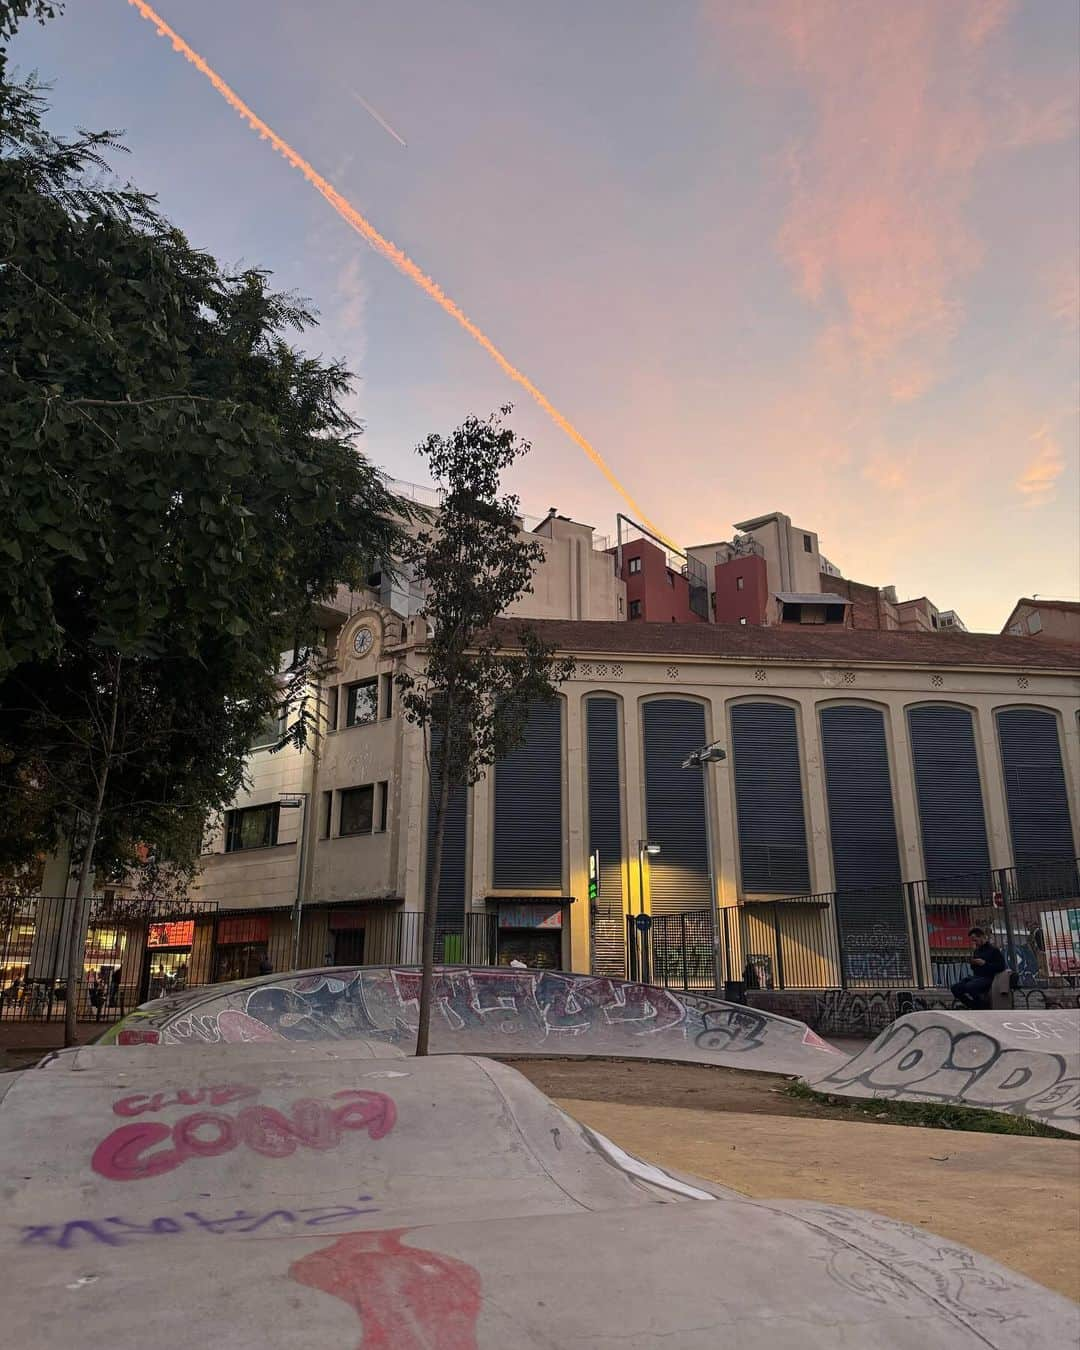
(814, 256)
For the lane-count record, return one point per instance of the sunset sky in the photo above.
(817, 256)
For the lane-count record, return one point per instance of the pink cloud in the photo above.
(1037, 484)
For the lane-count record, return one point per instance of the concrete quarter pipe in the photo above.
(1020, 1063)
(278, 1194)
(484, 1010)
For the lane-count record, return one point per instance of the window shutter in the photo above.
(675, 806)
(1034, 786)
(608, 927)
(948, 791)
(528, 844)
(769, 800)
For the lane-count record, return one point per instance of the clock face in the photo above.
(362, 641)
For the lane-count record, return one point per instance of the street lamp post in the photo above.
(294, 801)
(712, 753)
(641, 928)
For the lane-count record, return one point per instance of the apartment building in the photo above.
(1058, 619)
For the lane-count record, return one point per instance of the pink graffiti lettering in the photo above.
(128, 1153)
(219, 1095)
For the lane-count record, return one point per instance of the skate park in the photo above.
(437, 1202)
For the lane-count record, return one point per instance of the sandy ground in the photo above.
(1013, 1198)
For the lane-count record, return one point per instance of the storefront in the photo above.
(167, 963)
(531, 931)
(242, 947)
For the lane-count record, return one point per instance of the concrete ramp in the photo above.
(240, 1197)
(483, 1010)
(1026, 1064)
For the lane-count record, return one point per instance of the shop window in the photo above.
(633, 566)
(252, 827)
(363, 703)
(357, 807)
(241, 961)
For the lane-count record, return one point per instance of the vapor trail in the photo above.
(389, 250)
(380, 119)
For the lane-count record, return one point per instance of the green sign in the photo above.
(594, 875)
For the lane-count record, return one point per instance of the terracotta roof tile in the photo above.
(819, 643)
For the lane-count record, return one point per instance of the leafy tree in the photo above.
(179, 490)
(472, 698)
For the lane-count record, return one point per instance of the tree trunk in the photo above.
(431, 914)
(76, 934)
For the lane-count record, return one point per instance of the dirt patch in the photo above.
(699, 1087)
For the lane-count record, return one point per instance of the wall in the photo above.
(752, 602)
(575, 580)
(849, 1012)
(868, 609)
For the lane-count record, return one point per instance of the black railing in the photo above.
(1032, 912)
(678, 951)
(119, 948)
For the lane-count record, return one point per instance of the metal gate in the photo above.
(676, 951)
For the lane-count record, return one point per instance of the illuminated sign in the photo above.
(181, 934)
(594, 874)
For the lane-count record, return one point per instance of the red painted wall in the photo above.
(750, 603)
(664, 595)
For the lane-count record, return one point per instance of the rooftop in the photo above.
(832, 645)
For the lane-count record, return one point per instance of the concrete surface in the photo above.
(1020, 1063)
(245, 1197)
(483, 1010)
(940, 1180)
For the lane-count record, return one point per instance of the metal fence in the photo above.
(1031, 912)
(116, 971)
(678, 951)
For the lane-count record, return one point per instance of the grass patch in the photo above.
(927, 1115)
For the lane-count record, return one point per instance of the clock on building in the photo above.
(363, 639)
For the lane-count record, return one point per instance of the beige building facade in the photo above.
(525, 834)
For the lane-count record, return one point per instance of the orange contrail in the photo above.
(401, 260)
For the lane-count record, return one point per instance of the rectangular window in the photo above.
(387, 692)
(357, 806)
(269, 735)
(670, 577)
(738, 583)
(1035, 622)
(324, 818)
(743, 622)
(253, 827)
(384, 804)
(807, 544)
(331, 707)
(635, 609)
(363, 704)
(633, 566)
